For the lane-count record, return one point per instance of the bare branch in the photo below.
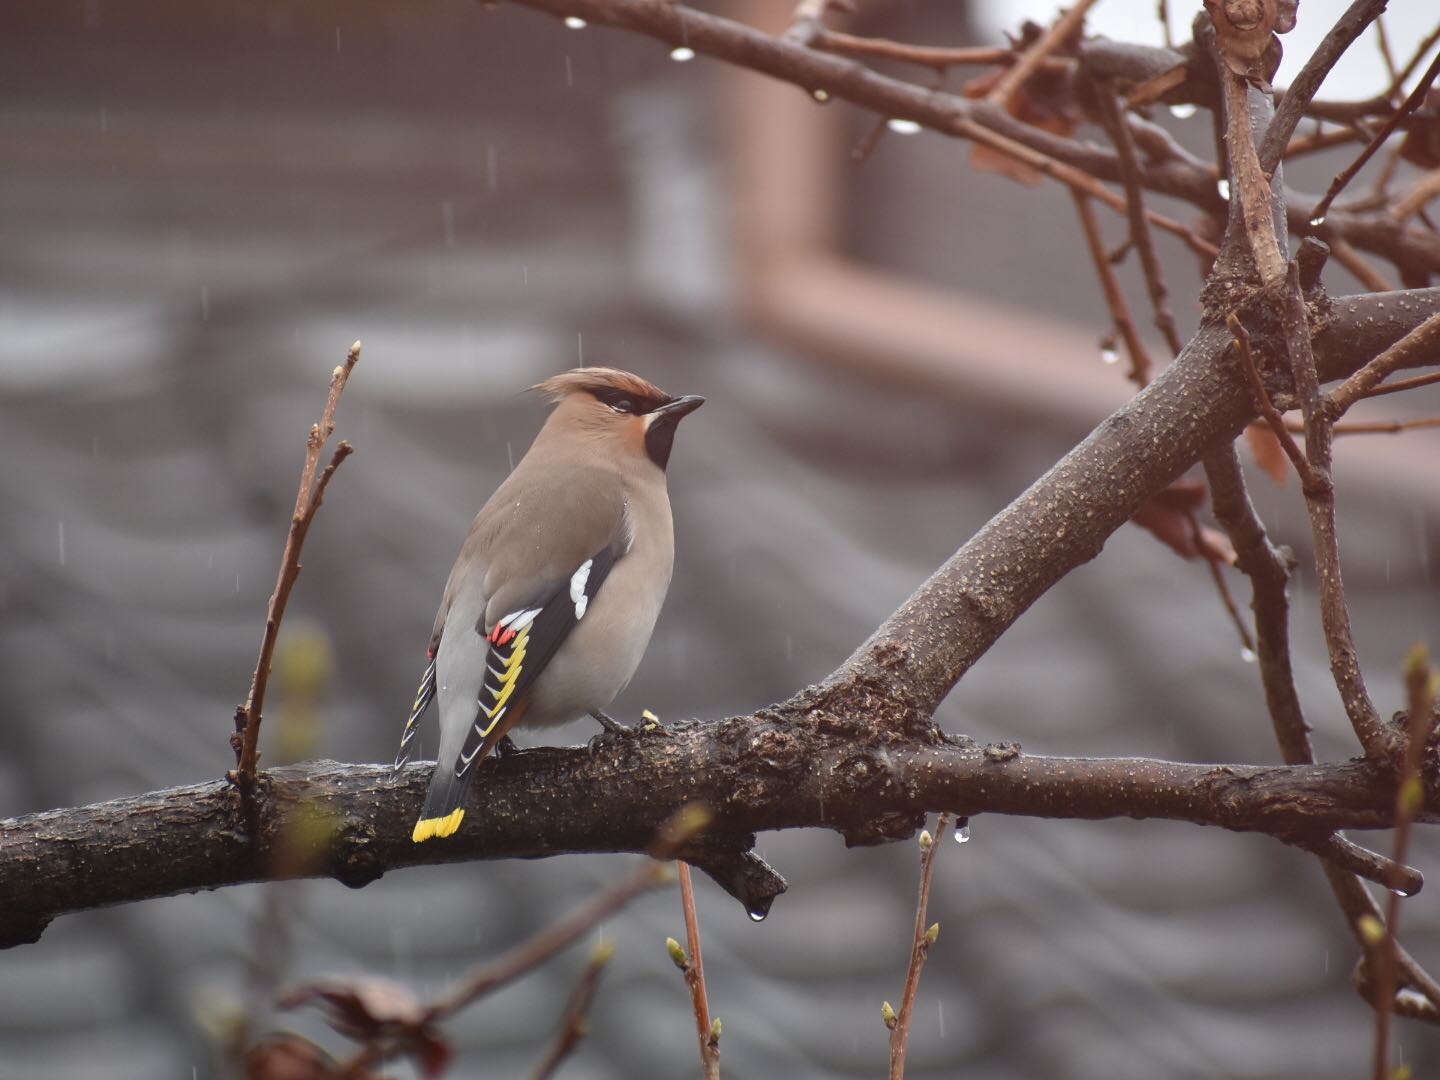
(575, 1020)
(307, 501)
(1115, 300)
(692, 966)
(1386, 129)
(1067, 25)
(920, 945)
(1420, 346)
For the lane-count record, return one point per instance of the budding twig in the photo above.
(307, 501)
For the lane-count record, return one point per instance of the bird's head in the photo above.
(613, 405)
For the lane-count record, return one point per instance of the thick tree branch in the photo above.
(803, 765)
(1065, 517)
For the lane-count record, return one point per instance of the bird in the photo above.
(552, 600)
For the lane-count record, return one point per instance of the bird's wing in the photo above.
(520, 644)
(544, 549)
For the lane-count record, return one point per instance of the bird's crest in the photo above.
(646, 394)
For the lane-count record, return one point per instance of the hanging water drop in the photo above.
(1247, 654)
(1317, 221)
(820, 95)
(902, 127)
(1182, 111)
(1223, 187)
(1403, 893)
(962, 830)
(758, 913)
(681, 53)
(1109, 356)
(574, 22)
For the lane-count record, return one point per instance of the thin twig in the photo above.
(1358, 265)
(1124, 142)
(1157, 86)
(1114, 296)
(1301, 92)
(1030, 60)
(1414, 200)
(1268, 568)
(307, 501)
(1262, 400)
(1374, 427)
(925, 55)
(1321, 140)
(1401, 385)
(531, 954)
(693, 967)
(1383, 40)
(575, 1020)
(1214, 559)
(1077, 179)
(1404, 353)
(1346, 174)
(1409, 799)
(925, 937)
(1347, 855)
(1282, 277)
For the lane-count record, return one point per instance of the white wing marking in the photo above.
(577, 589)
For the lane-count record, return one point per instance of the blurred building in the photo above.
(202, 206)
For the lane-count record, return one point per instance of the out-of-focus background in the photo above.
(201, 206)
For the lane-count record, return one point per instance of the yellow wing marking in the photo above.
(513, 665)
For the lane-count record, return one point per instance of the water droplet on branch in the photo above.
(902, 127)
(574, 22)
(1182, 111)
(681, 53)
(962, 830)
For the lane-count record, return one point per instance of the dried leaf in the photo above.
(1170, 516)
(1268, 453)
(359, 1007)
(1421, 145)
(287, 1056)
(370, 1009)
(1045, 100)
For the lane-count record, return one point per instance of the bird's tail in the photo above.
(444, 803)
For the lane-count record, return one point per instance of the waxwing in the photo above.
(550, 605)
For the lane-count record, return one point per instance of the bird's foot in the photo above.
(649, 725)
(505, 747)
(609, 723)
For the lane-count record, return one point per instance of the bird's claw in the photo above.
(649, 725)
(609, 723)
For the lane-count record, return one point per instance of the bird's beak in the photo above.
(680, 407)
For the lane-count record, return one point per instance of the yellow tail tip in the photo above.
(425, 828)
